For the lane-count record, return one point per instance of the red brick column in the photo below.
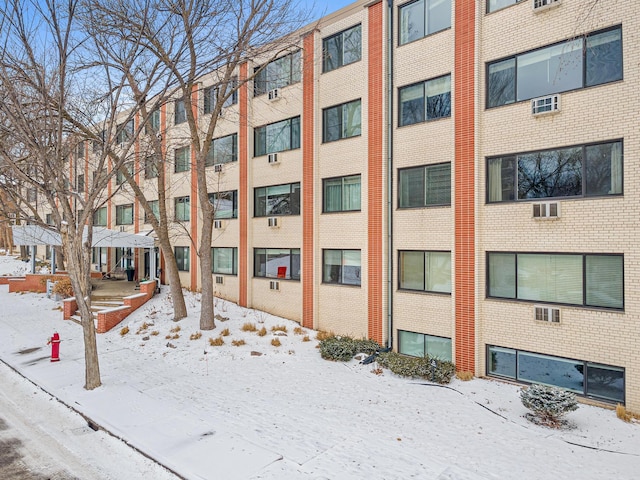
(244, 182)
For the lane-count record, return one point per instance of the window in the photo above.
(341, 266)
(277, 263)
(342, 49)
(80, 151)
(425, 101)
(594, 59)
(182, 209)
(423, 17)
(182, 160)
(604, 382)
(277, 137)
(426, 186)
(153, 122)
(49, 219)
(493, 5)
(211, 94)
(424, 271)
(587, 280)
(277, 74)
(80, 183)
(341, 194)
(223, 150)
(100, 217)
(225, 204)
(224, 260)
(32, 195)
(124, 214)
(155, 207)
(277, 200)
(120, 176)
(150, 167)
(421, 345)
(582, 171)
(180, 111)
(341, 121)
(182, 258)
(124, 132)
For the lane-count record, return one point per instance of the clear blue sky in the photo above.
(321, 8)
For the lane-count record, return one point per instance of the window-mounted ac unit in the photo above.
(122, 228)
(272, 158)
(274, 285)
(545, 105)
(274, 94)
(542, 313)
(219, 280)
(542, 5)
(546, 210)
(217, 167)
(217, 224)
(274, 222)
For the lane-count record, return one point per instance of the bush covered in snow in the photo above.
(344, 348)
(433, 369)
(548, 404)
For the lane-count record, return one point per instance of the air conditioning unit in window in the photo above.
(122, 229)
(272, 158)
(546, 210)
(274, 94)
(217, 168)
(274, 285)
(542, 313)
(274, 222)
(541, 5)
(545, 105)
(219, 280)
(217, 224)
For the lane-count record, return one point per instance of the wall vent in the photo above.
(542, 5)
(274, 94)
(546, 210)
(217, 167)
(545, 105)
(546, 314)
(272, 158)
(274, 285)
(274, 222)
(219, 280)
(217, 224)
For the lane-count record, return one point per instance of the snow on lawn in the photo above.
(250, 410)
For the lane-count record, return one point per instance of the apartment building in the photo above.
(447, 176)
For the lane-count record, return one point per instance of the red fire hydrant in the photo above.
(55, 347)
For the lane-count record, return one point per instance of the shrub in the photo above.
(548, 404)
(225, 333)
(63, 287)
(175, 329)
(275, 342)
(238, 343)
(322, 335)
(299, 331)
(262, 332)
(195, 336)
(155, 332)
(124, 331)
(216, 342)
(465, 376)
(622, 414)
(420, 367)
(344, 348)
(249, 327)
(306, 338)
(279, 328)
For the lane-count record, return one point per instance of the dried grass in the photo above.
(249, 327)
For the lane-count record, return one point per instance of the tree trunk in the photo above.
(207, 318)
(175, 286)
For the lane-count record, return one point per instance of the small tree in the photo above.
(548, 404)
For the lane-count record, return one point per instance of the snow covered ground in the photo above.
(257, 411)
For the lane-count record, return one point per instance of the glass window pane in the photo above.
(351, 193)
(412, 109)
(438, 272)
(604, 277)
(412, 187)
(502, 275)
(438, 92)
(550, 278)
(332, 266)
(603, 166)
(438, 15)
(550, 70)
(554, 173)
(438, 347)
(498, 4)
(223, 261)
(604, 57)
(351, 119)
(501, 83)
(412, 270)
(554, 371)
(410, 343)
(412, 22)
(351, 267)
(333, 195)
(605, 382)
(332, 53)
(502, 361)
(352, 45)
(332, 124)
(438, 178)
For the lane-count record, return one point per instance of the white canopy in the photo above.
(102, 237)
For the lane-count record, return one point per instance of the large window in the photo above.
(277, 200)
(225, 204)
(341, 266)
(423, 17)
(150, 167)
(604, 382)
(223, 150)
(155, 208)
(211, 95)
(424, 271)
(100, 217)
(493, 5)
(425, 186)
(120, 176)
(182, 258)
(341, 194)
(582, 62)
(183, 209)
(277, 263)
(425, 101)
(153, 122)
(277, 74)
(277, 137)
(124, 214)
(587, 170)
(224, 260)
(342, 49)
(80, 183)
(180, 111)
(575, 279)
(182, 159)
(342, 121)
(421, 345)
(124, 132)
